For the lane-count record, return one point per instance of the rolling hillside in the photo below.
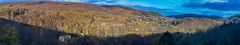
(88, 19)
(194, 16)
(41, 23)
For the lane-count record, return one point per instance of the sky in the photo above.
(224, 8)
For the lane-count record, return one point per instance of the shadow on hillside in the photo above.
(32, 35)
(227, 34)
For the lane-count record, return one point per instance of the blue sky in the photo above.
(223, 8)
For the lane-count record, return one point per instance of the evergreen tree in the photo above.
(166, 39)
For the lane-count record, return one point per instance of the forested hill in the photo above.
(42, 23)
(89, 19)
(194, 16)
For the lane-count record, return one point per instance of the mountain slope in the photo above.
(194, 16)
(234, 19)
(86, 19)
(44, 23)
(75, 18)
